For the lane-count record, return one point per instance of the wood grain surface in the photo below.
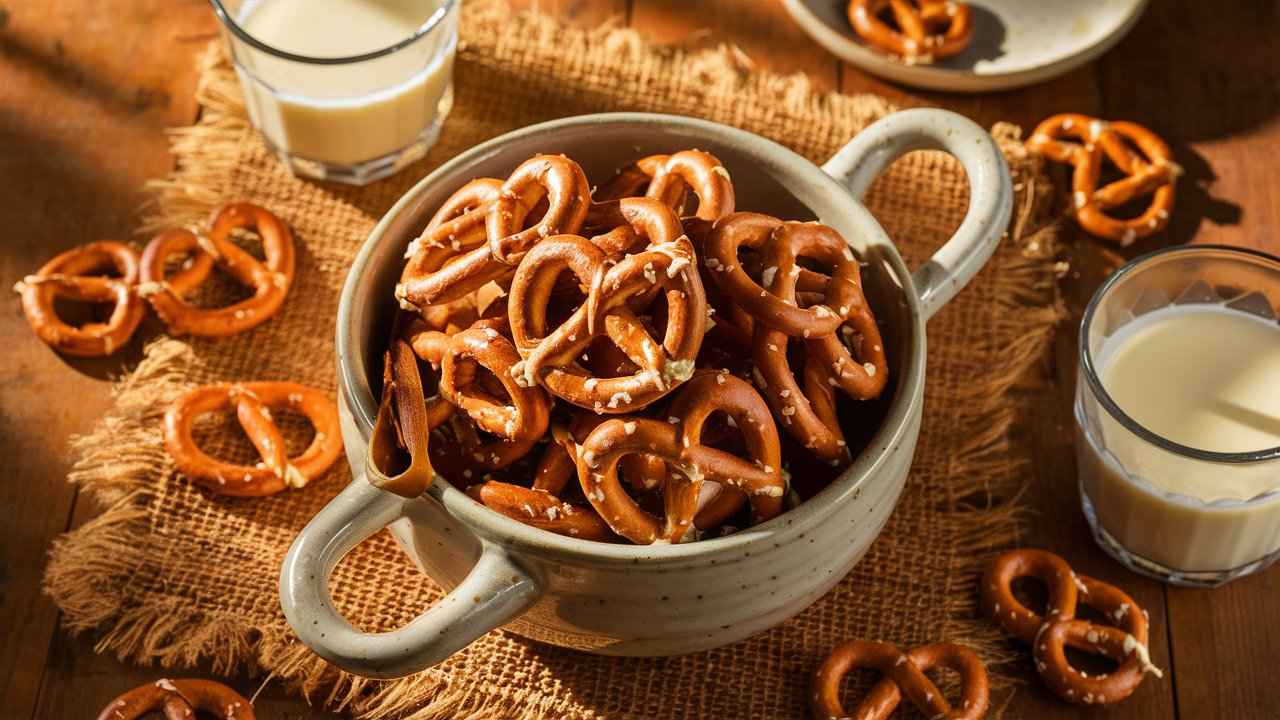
(86, 90)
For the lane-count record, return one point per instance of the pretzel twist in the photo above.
(1048, 637)
(439, 273)
(926, 29)
(69, 276)
(903, 673)
(1086, 143)
(691, 463)
(179, 699)
(808, 414)
(252, 402)
(270, 280)
(550, 358)
(524, 418)
(669, 178)
(541, 509)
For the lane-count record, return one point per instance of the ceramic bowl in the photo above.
(1015, 42)
(627, 599)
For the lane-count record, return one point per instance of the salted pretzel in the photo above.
(253, 402)
(522, 417)
(670, 177)
(439, 273)
(1086, 143)
(70, 275)
(550, 356)
(808, 413)
(691, 463)
(542, 510)
(179, 700)
(927, 30)
(1048, 636)
(270, 280)
(904, 672)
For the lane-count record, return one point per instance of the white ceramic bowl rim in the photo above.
(357, 393)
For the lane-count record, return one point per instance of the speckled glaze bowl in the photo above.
(628, 599)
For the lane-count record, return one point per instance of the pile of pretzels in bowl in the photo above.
(631, 362)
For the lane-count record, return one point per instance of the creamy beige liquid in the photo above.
(351, 113)
(1206, 377)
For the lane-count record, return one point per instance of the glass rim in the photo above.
(244, 35)
(1090, 372)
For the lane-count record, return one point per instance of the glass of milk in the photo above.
(344, 90)
(1178, 414)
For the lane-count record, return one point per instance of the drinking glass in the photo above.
(351, 119)
(1179, 539)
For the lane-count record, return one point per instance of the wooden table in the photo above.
(86, 91)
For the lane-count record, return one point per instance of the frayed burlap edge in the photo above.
(90, 568)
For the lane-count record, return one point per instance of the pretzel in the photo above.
(1048, 637)
(669, 177)
(524, 418)
(252, 401)
(69, 275)
(437, 274)
(1149, 171)
(692, 464)
(179, 699)
(403, 425)
(541, 509)
(270, 280)
(926, 29)
(551, 358)
(904, 673)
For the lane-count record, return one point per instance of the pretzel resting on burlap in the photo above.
(69, 275)
(1049, 636)
(179, 700)
(550, 356)
(454, 258)
(1086, 143)
(927, 29)
(270, 280)
(904, 672)
(690, 463)
(253, 402)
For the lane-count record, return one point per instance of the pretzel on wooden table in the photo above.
(550, 355)
(1085, 143)
(253, 402)
(70, 275)
(178, 700)
(690, 462)
(1048, 636)
(669, 177)
(270, 280)
(904, 672)
(439, 272)
(927, 29)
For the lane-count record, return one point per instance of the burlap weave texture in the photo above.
(170, 574)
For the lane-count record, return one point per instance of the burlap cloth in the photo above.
(169, 574)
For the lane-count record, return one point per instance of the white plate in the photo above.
(1015, 42)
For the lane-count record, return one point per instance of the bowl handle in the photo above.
(495, 591)
(990, 190)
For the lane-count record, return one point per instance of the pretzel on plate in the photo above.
(70, 275)
(904, 673)
(252, 402)
(550, 355)
(1125, 643)
(1086, 143)
(179, 699)
(926, 29)
(270, 280)
(438, 272)
(669, 177)
(691, 464)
